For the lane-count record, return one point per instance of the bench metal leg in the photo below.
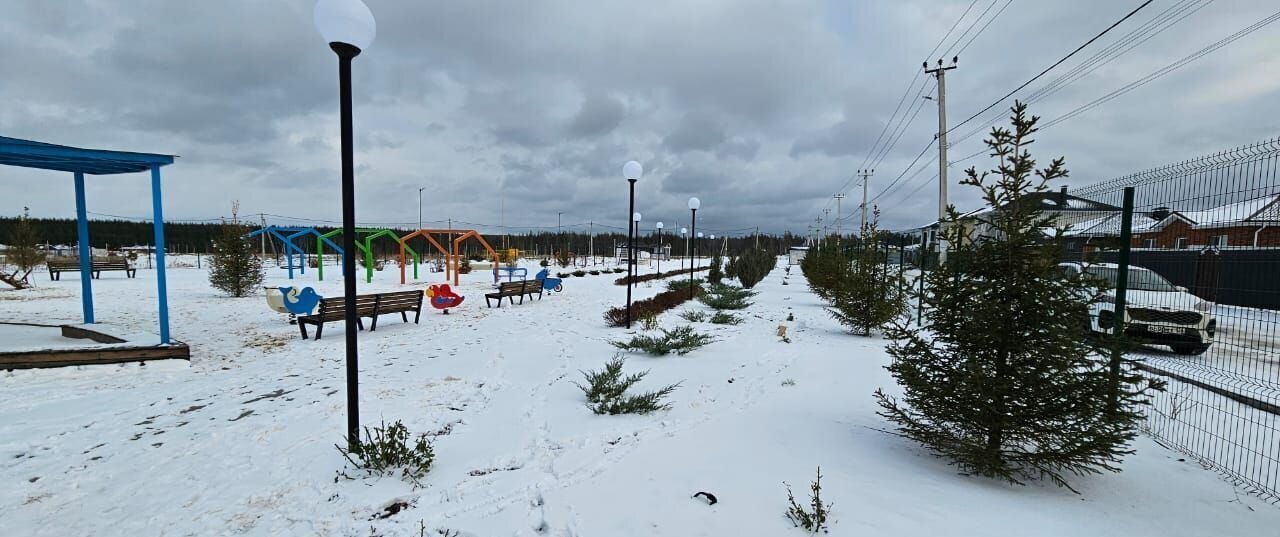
(404, 316)
(303, 327)
(319, 329)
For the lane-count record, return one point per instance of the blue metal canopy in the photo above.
(46, 156)
(79, 161)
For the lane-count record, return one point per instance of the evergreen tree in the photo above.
(233, 267)
(753, 266)
(1003, 380)
(714, 274)
(23, 253)
(868, 294)
(824, 267)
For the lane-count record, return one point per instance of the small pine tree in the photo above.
(1003, 380)
(23, 253)
(824, 267)
(715, 274)
(233, 267)
(753, 266)
(869, 294)
(562, 258)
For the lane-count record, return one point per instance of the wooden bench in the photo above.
(335, 309)
(510, 290)
(96, 267)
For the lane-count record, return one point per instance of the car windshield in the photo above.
(1140, 279)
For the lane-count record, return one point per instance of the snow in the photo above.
(241, 442)
(25, 337)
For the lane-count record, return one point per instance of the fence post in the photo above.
(1122, 287)
(920, 297)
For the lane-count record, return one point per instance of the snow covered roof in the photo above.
(1253, 212)
(1249, 212)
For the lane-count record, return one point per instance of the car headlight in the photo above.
(1203, 306)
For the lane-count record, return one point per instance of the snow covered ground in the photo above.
(241, 440)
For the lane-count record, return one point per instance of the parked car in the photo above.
(1156, 311)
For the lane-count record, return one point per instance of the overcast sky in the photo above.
(761, 108)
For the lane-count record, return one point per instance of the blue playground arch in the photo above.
(286, 235)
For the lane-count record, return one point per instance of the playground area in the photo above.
(240, 437)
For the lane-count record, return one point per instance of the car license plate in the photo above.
(1160, 329)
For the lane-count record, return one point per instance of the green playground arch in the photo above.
(364, 242)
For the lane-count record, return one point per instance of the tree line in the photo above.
(186, 237)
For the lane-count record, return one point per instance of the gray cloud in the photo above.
(764, 108)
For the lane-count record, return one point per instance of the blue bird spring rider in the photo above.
(292, 301)
(549, 284)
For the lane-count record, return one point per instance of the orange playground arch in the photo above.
(451, 261)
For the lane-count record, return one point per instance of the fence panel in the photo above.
(1204, 298)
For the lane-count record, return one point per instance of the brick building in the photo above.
(1253, 223)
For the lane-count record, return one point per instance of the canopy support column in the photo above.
(86, 254)
(162, 294)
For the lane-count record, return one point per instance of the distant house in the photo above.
(796, 254)
(1252, 223)
(1067, 210)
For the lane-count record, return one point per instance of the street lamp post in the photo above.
(659, 248)
(694, 203)
(631, 171)
(420, 189)
(684, 234)
(348, 26)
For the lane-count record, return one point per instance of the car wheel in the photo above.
(1189, 349)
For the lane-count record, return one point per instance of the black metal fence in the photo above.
(1203, 297)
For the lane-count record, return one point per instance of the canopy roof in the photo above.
(46, 156)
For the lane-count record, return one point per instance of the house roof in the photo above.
(1053, 201)
(1252, 212)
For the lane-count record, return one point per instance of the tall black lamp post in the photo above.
(348, 27)
(659, 226)
(631, 171)
(694, 203)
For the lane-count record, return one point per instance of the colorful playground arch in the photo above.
(452, 262)
(286, 235)
(364, 243)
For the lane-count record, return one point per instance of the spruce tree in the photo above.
(233, 267)
(1003, 379)
(715, 274)
(23, 252)
(824, 267)
(868, 293)
(753, 266)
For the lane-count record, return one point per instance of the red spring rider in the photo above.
(443, 298)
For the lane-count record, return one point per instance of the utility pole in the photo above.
(839, 226)
(866, 174)
(940, 73)
(420, 207)
(826, 230)
(263, 218)
(591, 241)
(757, 237)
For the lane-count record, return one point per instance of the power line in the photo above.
(984, 27)
(1055, 64)
(902, 100)
(1166, 69)
(902, 129)
(970, 28)
(1153, 27)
